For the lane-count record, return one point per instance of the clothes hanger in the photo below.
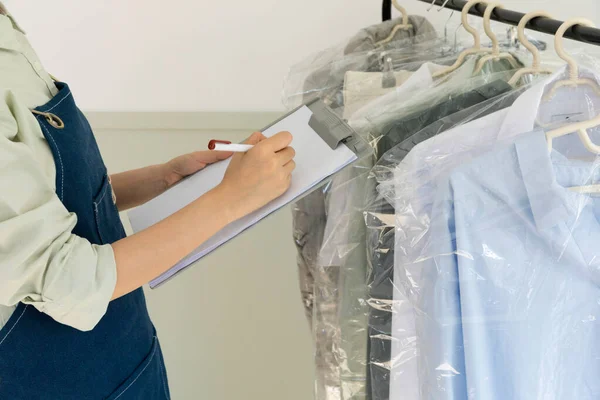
(581, 127)
(574, 79)
(403, 26)
(536, 67)
(443, 6)
(496, 54)
(447, 21)
(476, 49)
(439, 9)
(431, 6)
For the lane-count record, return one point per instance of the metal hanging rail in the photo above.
(386, 12)
(544, 25)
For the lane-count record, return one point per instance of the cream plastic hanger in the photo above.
(536, 67)
(581, 127)
(496, 55)
(574, 79)
(403, 26)
(476, 49)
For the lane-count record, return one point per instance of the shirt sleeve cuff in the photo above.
(87, 282)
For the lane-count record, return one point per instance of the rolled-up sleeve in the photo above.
(42, 263)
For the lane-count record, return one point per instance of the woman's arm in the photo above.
(252, 180)
(136, 187)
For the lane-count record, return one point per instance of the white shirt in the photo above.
(413, 187)
(41, 262)
(360, 88)
(402, 100)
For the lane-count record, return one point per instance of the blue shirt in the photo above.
(508, 297)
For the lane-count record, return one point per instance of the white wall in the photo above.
(178, 55)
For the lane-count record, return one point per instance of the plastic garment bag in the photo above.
(309, 212)
(322, 75)
(495, 286)
(380, 237)
(325, 70)
(340, 295)
(329, 227)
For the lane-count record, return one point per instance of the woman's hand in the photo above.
(257, 177)
(252, 180)
(188, 164)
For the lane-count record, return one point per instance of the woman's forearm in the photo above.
(252, 180)
(138, 186)
(147, 254)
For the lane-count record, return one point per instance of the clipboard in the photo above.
(324, 144)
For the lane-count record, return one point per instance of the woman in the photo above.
(73, 319)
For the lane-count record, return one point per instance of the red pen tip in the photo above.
(212, 143)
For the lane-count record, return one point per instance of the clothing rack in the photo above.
(543, 25)
(387, 10)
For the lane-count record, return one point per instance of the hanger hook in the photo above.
(402, 10)
(431, 5)
(560, 50)
(443, 6)
(537, 61)
(465, 22)
(446, 26)
(450, 17)
(487, 19)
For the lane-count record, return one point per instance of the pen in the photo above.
(224, 145)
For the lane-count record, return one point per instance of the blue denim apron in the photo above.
(120, 358)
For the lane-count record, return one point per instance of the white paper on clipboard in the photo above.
(315, 161)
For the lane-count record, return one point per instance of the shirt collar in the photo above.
(521, 116)
(568, 221)
(547, 177)
(549, 201)
(421, 79)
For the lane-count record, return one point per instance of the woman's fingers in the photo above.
(286, 155)
(289, 167)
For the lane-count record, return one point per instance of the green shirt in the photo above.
(41, 262)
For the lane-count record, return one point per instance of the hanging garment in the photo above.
(345, 244)
(310, 212)
(361, 88)
(310, 215)
(344, 250)
(389, 108)
(414, 185)
(121, 357)
(322, 76)
(366, 39)
(397, 131)
(380, 225)
(508, 286)
(327, 82)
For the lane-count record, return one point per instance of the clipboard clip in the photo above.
(334, 130)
